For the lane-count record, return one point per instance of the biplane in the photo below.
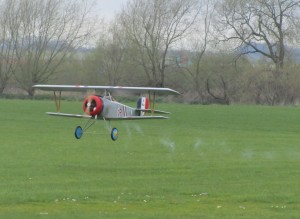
(105, 107)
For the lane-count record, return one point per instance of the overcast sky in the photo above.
(108, 8)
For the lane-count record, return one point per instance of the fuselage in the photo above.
(114, 109)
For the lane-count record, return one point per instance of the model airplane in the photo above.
(106, 107)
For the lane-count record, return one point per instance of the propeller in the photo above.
(92, 105)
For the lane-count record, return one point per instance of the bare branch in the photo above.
(262, 22)
(46, 33)
(153, 27)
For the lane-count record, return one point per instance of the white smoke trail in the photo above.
(138, 129)
(168, 143)
(133, 128)
(128, 129)
(247, 154)
(198, 143)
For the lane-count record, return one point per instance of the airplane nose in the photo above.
(92, 105)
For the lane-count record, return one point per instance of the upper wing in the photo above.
(111, 89)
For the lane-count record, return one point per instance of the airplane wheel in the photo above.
(114, 134)
(78, 132)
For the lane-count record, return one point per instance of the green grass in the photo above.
(204, 162)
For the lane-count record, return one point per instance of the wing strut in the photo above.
(57, 98)
(152, 102)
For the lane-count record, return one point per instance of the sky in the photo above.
(108, 8)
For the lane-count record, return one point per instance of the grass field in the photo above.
(204, 162)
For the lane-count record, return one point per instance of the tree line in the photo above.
(212, 51)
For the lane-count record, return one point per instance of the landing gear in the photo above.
(114, 134)
(78, 132)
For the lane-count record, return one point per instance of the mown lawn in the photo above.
(204, 162)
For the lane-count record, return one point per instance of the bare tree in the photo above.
(198, 43)
(153, 28)
(47, 32)
(7, 43)
(260, 26)
(112, 52)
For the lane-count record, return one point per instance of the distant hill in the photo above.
(292, 51)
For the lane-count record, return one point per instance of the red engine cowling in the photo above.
(92, 105)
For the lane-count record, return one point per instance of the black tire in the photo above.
(114, 134)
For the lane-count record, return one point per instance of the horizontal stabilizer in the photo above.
(136, 117)
(152, 111)
(69, 115)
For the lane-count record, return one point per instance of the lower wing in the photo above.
(136, 117)
(106, 118)
(69, 115)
